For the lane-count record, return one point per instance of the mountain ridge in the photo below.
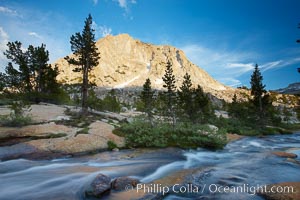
(293, 88)
(127, 62)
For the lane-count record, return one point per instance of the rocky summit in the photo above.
(126, 63)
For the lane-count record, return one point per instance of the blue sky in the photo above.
(224, 37)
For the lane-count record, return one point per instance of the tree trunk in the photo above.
(261, 112)
(84, 106)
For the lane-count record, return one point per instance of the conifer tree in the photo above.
(170, 94)
(18, 79)
(147, 99)
(186, 97)
(34, 76)
(111, 102)
(201, 105)
(236, 109)
(260, 99)
(257, 88)
(2, 81)
(232, 108)
(86, 57)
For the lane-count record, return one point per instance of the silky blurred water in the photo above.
(246, 161)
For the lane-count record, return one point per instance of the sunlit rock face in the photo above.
(126, 62)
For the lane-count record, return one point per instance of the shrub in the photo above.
(83, 131)
(186, 135)
(17, 117)
(111, 145)
(15, 121)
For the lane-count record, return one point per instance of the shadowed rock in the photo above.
(122, 183)
(99, 187)
(284, 154)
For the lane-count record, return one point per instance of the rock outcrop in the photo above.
(99, 186)
(124, 183)
(284, 154)
(47, 139)
(126, 63)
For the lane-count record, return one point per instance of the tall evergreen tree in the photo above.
(260, 99)
(111, 102)
(18, 79)
(239, 110)
(147, 99)
(86, 57)
(201, 105)
(34, 74)
(233, 107)
(186, 97)
(2, 81)
(38, 62)
(257, 88)
(170, 94)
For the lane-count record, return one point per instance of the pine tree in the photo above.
(232, 107)
(86, 57)
(201, 105)
(147, 99)
(236, 109)
(111, 102)
(170, 94)
(2, 81)
(186, 97)
(45, 76)
(38, 62)
(257, 88)
(18, 80)
(260, 99)
(34, 77)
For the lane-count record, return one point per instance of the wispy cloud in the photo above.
(228, 66)
(4, 38)
(3, 35)
(34, 34)
(279, 64)
(125, 4)
(232, 82)
(105, 31)
(101, 31)
(225, 66)
(95, 2)
(122, 3)
(238, 69)
(30, 29)
(8, 11)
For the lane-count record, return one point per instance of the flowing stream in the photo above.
(248, 161)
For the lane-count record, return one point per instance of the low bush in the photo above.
(84, 130)
(186, 135)
(111, 145)
(17, 117)
(15, 121)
